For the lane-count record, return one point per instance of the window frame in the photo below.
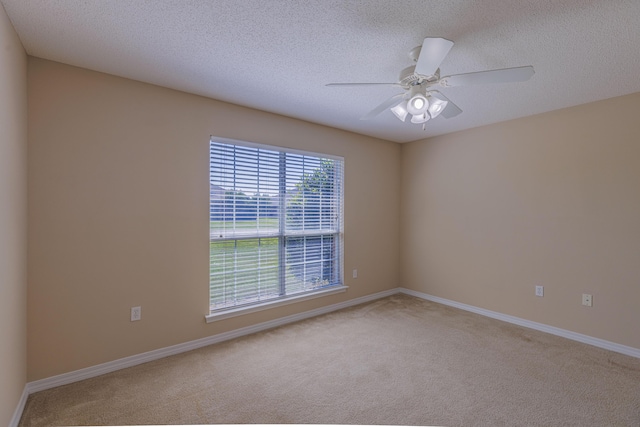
(282, 236)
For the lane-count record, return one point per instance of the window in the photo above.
(275, 225)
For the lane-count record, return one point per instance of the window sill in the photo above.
(233, 312)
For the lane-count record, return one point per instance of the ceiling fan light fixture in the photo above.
(421, 99)
(436, 106)
(400, 110)
(419, 118)
(418, 104)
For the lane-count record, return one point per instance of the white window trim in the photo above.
(275, 148)
(239, 311)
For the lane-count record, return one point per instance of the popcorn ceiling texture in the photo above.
(278, 55)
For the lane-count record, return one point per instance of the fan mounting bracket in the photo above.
(415, 53)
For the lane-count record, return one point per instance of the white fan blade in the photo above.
(389, 103)
(451, 110)
(364, 84)
(505, 75)
(432, 53)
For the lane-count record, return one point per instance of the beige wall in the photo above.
(118, 193)
(551, 200)
(13, 219)
(118, 215)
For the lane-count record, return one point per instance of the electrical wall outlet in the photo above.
(587, 299)
(539, 291)
(355, 273)
(136, 313)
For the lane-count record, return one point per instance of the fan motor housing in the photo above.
(408, 77)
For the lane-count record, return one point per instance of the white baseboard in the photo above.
(586, 339)
(17, 414)
(130, 361)
(104, 368)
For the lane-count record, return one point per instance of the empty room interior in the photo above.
(511, 205)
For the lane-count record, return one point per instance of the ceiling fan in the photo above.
(421, 99)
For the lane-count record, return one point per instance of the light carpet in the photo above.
(395, 361)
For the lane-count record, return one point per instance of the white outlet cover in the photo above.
(539, 291)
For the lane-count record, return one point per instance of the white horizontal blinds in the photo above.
(313, 222)
(244, 206)
(244, 188)
(311, 262)
(275, 223)
(313, 194)
(243, 271)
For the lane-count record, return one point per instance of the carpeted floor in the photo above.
(396, 361)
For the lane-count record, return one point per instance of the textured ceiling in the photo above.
(277, 55)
